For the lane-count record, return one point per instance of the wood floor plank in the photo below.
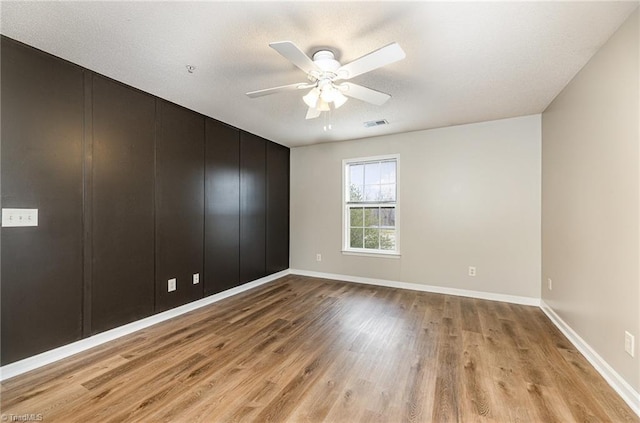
(477, 389)
(612, 403)
(323, 395)
(509, 387)
(304, 349)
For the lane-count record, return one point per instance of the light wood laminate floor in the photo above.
(309, 350)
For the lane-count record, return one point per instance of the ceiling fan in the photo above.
(324, 73)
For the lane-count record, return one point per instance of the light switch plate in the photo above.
(19, 217)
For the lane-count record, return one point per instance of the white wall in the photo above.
(470, 196)
(590, 215)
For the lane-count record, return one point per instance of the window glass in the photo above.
(372, 173)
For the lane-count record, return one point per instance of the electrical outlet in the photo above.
(196, 278)
(472, 270)
(549, 284)
(629, 343)
(318, 257)
(171, 285)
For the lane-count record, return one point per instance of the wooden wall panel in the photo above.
(42, 116)
(252, 207)
(123, 204)
(277, 249)
(179, 204)
(131, 191)
(222, 221)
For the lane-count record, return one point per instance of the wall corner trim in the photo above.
(48, 357)
(613, 378)
(514, 299)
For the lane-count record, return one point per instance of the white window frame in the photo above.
(346, 249)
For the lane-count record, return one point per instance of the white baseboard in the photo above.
(621, 386)
(531, 301)
(48, 357)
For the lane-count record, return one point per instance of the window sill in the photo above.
(394, 255)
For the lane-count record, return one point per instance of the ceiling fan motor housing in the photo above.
(325, 60)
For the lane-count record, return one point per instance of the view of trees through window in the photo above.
(371, 205)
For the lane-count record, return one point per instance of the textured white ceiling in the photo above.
(466, 62)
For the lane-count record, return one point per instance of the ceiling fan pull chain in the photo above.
(324, 118)
(327, 126)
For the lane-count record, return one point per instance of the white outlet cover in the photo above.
(196, 278)
(629, 343)
(472, 271)
(171, 286)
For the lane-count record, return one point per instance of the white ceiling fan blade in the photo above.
(374, 60)
(274, 90)
(296, 56)
(363, 93)
(312, 113)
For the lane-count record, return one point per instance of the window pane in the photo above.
(356, 174)
(356, 216)
(372, 173)
(356, 193)
(372, 193)
(371, 238)
(387, 216)
(371, 216)
(388, 192)
(388, 172)
(356, 235)
(356, 182)
(387, 239)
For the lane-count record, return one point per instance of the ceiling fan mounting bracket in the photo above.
(323, 54)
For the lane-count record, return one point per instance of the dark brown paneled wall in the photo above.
(122, 209)
(179, 204)
(277, 250)
(253, 189)
(131, 190)
(222, 211)
(42, 115)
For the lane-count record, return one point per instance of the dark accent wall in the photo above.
(253, 188)
(222, 211)
(132, 190)
(42, 115)
(123, 209)
(179, 204)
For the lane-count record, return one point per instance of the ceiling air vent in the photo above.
(373, 123)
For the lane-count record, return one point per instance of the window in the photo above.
(371, 205)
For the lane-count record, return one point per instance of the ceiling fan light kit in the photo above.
(311, 98)
(323, 106)
(338, 98)
(320, 98)
(324, 72)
